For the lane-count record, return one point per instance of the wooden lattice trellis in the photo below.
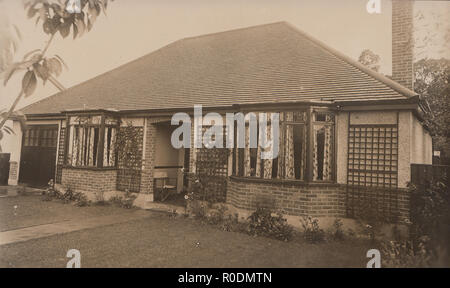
(212, 169)
(125, 174)
(61, 153)
(372, 170)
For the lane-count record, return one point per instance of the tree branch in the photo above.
(11, 109)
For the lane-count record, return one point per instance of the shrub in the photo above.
(263, 223)
(401, 254)
(430, 216)
(311, 230)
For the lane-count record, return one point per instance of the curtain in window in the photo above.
(289, 148)
(327, 154)
(268, 162)
(108, 149)
(315, 152)
(322, 152)
(75, 146)
(247, 169)
(91, 146)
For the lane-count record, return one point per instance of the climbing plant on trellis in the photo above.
(129, 145)
(212, 171)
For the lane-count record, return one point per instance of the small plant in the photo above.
(128, 200)
(124, 202)
(263, 223)
(50, 192)
(81, 200)
(338, 232)
(231, 223)
(311, 230)
(100, 199)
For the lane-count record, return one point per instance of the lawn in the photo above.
(163, 241)
(25, 211)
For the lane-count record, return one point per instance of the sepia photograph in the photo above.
(244, 134)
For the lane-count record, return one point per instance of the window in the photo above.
(305, 135)
(41, 136)
(294, 143)
(91, 141)
(323, 144)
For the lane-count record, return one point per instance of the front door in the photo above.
(38, 158)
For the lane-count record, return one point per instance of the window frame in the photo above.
(308, 124)
(102, 125)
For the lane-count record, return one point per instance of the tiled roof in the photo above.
(260, 64)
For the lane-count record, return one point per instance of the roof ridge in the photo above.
(233, 30)
(375, 75)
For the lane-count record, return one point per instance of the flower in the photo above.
(15, 206)
(186, 197)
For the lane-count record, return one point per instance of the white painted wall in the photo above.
(342, 146)
(12, 144)
(421, 144)
(404, 147)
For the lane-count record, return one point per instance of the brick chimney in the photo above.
(402, 42)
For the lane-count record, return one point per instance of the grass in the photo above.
(31, 210)
(163, 241)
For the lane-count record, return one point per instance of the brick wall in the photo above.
(13, 169)
(402, 42)
(291, 199)
(148, 162)
(89, 181)
(316, 200)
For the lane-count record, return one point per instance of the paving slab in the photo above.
(45, 230)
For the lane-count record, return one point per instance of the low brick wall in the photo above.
(89, 181)
(318, 200)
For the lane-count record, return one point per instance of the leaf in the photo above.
(48, 26)
(31, 12)
(30, 53)
(64, 29)
(62, 61)
(75, 31)
(8, 130)
(53, 66)
(16, 67)
(41, 71)
(81, 26)
(29, 83)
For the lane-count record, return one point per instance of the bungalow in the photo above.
(348, 135)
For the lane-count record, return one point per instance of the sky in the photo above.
(133, 28)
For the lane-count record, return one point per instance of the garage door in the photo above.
(37, 163)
